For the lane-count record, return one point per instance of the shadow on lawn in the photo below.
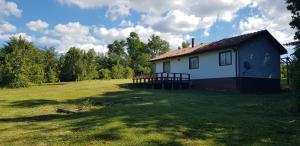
(177, 114)
(33, 103)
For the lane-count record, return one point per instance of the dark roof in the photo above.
(219, 45)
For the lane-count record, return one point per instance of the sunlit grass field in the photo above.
(109, 113)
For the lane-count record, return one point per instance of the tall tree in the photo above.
(116, 53)
(184, 44)
(139, 54)
(73, 68)
(294, 7)
(157, 46)
(91, 66)
(117, 47)
(22, 63)
(51, 65)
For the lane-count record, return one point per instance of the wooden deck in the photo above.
(162, 81)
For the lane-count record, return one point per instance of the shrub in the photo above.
(128, 73)
(51, 75)
(145, 70)
(36, 74)
(117, 71)
(295, 71)
(1, 74)
(104, 74)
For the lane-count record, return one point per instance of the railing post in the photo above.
(162, 80)
(173, 80)
(180, 81)
(189, 84)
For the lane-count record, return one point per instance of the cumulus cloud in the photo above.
(178, 22)
(190, 14)
(126, 23)
(116, 11)
(73, 34)
(7, 27)
(9, 9)
(273, 17)
(48, 41)
(5, 37)
(144, 32)
(37, 25)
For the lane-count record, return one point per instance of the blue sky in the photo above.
(95, 23)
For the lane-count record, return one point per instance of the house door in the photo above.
(167, 67)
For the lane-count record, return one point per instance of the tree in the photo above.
(105, 74)
(294, 7)
(117, 48)
(73, 68)
(184, 44)
(157, 46)
(117, 71)
(51, 65)
(139, 53)
(20, 63)
(90, 64)
(128, 73)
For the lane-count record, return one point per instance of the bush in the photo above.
(128, 73)
(295, 71)
(36, 74)
(145, 70)
(117, 71)
(1, 74)
(51, 75)
(104, 74)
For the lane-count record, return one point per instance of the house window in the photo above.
(194, 62)
(166, 67)
(225, 58)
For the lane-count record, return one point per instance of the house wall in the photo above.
(263, 58)
(208, 66)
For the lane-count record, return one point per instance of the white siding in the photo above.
(208, 66)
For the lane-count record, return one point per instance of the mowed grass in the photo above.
(114, 115)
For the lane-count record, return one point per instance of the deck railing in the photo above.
(162, 80)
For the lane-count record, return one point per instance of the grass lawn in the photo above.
(110, 115)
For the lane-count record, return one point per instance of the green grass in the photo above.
(161, 117)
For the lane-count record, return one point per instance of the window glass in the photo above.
(225, 58)
(194, 62)
(166, 66)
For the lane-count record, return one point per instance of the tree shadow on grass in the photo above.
(33, 103)
(184, 115)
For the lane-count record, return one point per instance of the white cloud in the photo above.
(273, 17)
(116, 11)
(126, 23)
(9, 9)
(73, 34)
(48, 41)
(176, 16)
(7, 27)
(178, 22)
(37, 25)
(144, 32)
(5, 37)
(85, 4)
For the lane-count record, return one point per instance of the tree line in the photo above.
(294, 7)
(23, 64)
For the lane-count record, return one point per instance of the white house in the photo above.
(249, 62)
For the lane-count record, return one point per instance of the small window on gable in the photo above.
(194, 62)
(167, 67)
(225, 58)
